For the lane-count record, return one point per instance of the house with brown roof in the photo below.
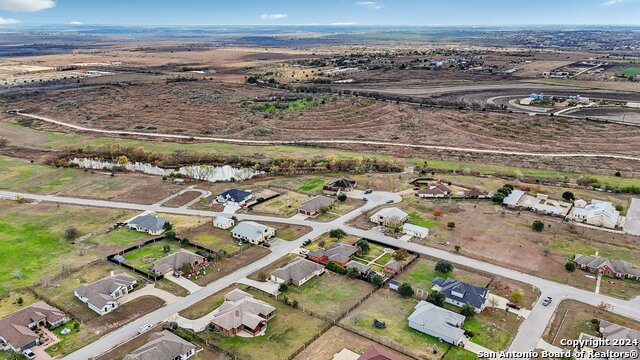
(18, 330)
(339, 186)
(436, 190)
(475, 194)
(339, 252)
(297, 272)
(601, 265)
(242, 312)
(393, 267)
(103, 295)
(176, 262)
(377, 352)
(163, 345)
(315, 205)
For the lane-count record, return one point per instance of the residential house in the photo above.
(297, 272)
(598, 213)
(621, 339)
(177, 261)
(440, 323)
(377, 352)
(223, 222)
(391, 215)
(338, 252)
(339, 186)
(415, 230)
(458, 293)
(315, 205)
(253, 232)
(437, 190)
(475, 194)
(241, 312)
(103, 295)
(580, 203)
(601, 265)
(393, 267)
(363, 269)
(18, 330)
(150, 223)
(163, 345)
(513, 198)
(234, 197)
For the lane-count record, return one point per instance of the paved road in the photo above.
(336, 141)
(528, 335)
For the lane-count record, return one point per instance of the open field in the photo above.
(35, 233)
(336, 339)
(285, 205)
(338, 209)
(229, 265)
(9, 303)
(283, 334)
(288, 232)
(573, 317)
(211, 237)
(329, 295)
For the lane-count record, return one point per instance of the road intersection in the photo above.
(527, 338)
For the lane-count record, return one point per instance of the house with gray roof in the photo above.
(176, 261)
(242, 312)
(150, 223)
(393, 267)
(415, 230)
(103, 295)
(459, 294)
(297, 272)
(363, 269)
(234, 197)
(513, 198)
(598, 213)
(339, 186)
(621, 339)
(387, 215)
(253, 232)
(314, 205)
(601, 265)
(440, 323)
(339, 252)
(163, 345)
(18, 330)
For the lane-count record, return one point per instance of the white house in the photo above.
(598, 213)
(223, 222)
(253, 232)
(104, 295)
(415, 230)
(384, 216)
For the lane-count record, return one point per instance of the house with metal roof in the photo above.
(242, 312)
(253, 232)
(388, 215)
(163, 345)
(297, 272)
(513, 198)
(150, 223)
(18, 330)
(103, 295)
(440, 323)
(223, 222)
(415, 230)
(598, 213)
(314, 205)
(459, 294)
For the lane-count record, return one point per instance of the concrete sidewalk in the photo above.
(184, 282)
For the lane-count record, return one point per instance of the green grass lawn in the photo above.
(72, 341)
(329, 294)
(311, 184)
(487, 333)
(34, 234)
(375, 250)
(416, 219)
(143, 257)
(632, 71)
(422, 273)
(286, 332)
(384, 259)
(216, 242)
(122, 238)
(21, 175)
(456, 353)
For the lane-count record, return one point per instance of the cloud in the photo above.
(75, 23)
(612, 2)
(5, 21)
(369, 4)
(26, 5)
(273, 16)
(344, 23)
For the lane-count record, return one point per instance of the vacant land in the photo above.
(288, 232)
(336, 339)
(228, 265)
(422, 273)
(338, 209)
(212, 238)
(285, 205)
(329, 295)
(12, 303)
(206, 305)
(572, 318)
(120, 238)
(35, 234)
(283, 335)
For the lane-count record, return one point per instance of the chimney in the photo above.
(112, 273)
(237, 313)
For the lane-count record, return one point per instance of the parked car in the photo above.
(266, 244)
(306, 242)
(365, 199)
(29, 354)
(144, 328)
(514, 306)
(379, 324)
(546, 301)
(304, 252)
(368, 191)
(390, 201)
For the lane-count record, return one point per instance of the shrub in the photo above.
(568, 195)
(400, 254)
(20, 301)
(342, 197)
(468, 310)
(444, 267)
(516, 296)
(377, 280)
(353, 273)
(71, 233)
(436, 298)
(283, 287)
(406, 290)
(451, 225)
(537, 226)
(570, 266)
(457, 248)
(337, 233)
(364, 246)
(331, 266)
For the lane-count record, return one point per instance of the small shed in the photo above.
(394, 284)
(223, 222)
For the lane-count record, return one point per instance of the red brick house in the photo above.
(601, 265)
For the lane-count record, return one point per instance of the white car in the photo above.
(304, 252)
(144, 328)
(29, 354)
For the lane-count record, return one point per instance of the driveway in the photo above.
(632, 222)
(501, 303)
(184, 282)
(151, 290)
(269, 287)
(475, 348)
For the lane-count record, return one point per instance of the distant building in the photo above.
(535, 96)
(338, 252)
(598, 213)
(176, 262)
(103, 295)
(440, 323)
(513, 198)
(149, 223)
(393, 267)
(223, 222)
(339, 186)
(163, 345)
(253, 232)
(474, 194)
(377, 352)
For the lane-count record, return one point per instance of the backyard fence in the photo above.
(391, 345)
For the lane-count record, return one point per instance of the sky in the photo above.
(321, 12)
